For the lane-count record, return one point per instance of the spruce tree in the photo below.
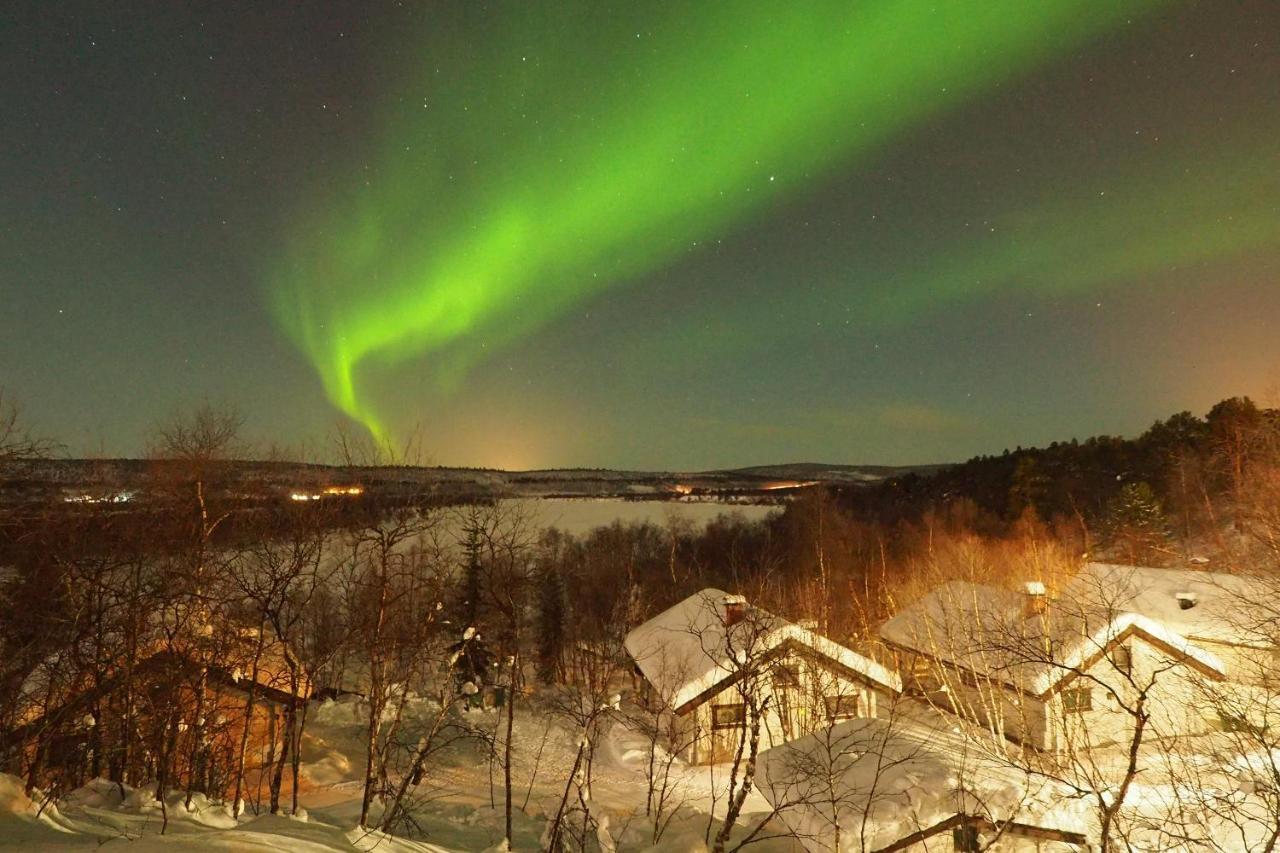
(551, 624)
(471, 578)
(1136, 523)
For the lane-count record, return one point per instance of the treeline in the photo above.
(1185, 461)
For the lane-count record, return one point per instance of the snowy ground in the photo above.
(460, 807)
(459, 814)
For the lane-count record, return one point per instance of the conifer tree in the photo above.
(472, 572)
(1136, 523)
(551, 624)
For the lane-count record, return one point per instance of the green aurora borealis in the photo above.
(514, 193)
(647, 235)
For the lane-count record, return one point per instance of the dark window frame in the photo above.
(1077, 700)
(834, 706)
(1122, 659)
(737, 709)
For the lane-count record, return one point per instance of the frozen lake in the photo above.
(580, 515)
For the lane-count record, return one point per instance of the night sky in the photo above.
(647, 235)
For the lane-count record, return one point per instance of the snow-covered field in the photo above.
(460, 806)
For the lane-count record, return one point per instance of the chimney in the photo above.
(1186, 600)
(735, 607)
(1037, 599)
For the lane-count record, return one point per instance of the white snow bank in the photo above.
(878, 780)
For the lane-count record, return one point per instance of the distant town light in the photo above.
(113, 498)
(327, 492)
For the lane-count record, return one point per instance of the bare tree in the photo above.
(16, 443)
(586, 712)
(441, 729)
(278, 575)
(391, 588)
(739, 647)
(191, 451)
(1230, 791)
(507, 538)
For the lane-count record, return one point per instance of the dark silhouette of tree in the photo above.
(551, 624)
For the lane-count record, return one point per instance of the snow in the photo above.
(1101, 638)
(880, 780)
(924, 756)
(455, 815)
(687, 649)
(1227, 608)
(989, 630)
(96, 814)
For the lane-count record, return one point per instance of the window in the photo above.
(1122, 659)
(1077, 701)
(786, 675)
(728, 716)
(843, 707)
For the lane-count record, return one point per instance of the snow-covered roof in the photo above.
(687, 649)
(1225, 608)
(883, 779)
(991, 631)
